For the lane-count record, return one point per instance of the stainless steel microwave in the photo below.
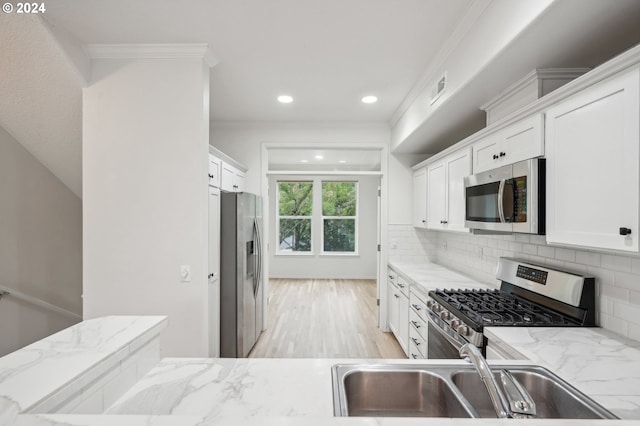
(507, 199)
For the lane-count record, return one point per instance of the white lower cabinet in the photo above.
(418, 328)
(398, 309)
(593, 166)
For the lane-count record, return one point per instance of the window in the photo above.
(339, 205)
(295, 211)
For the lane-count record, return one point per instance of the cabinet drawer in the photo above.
(416, 340)
(414, 353)
(402, 286)
(418, 306)
(214, 171)
(416, 322)
(391, 275)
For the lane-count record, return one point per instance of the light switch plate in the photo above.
(185, 273)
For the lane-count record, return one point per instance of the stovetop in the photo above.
(498, 308)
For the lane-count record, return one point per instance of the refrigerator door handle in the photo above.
(258, 265)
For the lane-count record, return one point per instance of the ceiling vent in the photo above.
(438, 88)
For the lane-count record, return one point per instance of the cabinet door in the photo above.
(486, 153)
(420, 198)
(227, 180)
(458, 166)
(436, 198)
(393, 298)
(214, 171)
(403, 322)
(522, 140)
(214, 271)
(238, 181)
(593, 176)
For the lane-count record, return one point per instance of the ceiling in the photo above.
(326, 54)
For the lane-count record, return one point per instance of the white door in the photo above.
(592, 148)
(214, 272)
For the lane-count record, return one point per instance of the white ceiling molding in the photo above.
(152, 51)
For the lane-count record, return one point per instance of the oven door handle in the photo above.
(503, 183)
(432, 317)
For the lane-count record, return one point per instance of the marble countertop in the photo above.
(430, 276)
(600, 363)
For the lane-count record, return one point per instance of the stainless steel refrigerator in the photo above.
(241, 286)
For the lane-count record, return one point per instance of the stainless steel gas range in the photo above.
(529, 296)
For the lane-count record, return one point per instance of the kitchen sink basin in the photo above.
(400, 393)
(554, 398)
(449, 391)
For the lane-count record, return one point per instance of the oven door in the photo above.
(444, 342)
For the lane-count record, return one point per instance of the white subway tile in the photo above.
(546, 251)
(492, 243)
(633, 332)
(522, 238)
(604, 276)
(634, 297)
(630, 281)
(635, 266)
(617, 263)
(614, 324)
(588, 258)
(626, 312)
(514, 246)
(620, 294)
(530, 249)
(566, 255)
(538, 239)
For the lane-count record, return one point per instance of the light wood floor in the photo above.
(324, 319)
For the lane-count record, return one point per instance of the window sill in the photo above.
(294, 254)
(339, 254)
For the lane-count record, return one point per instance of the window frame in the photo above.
(355, 218)
(280, 252)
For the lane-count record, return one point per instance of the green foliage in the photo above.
(295, 198)
(340, 235)
(339, 198)
(295, 235)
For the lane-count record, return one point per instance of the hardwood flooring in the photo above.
(324, 319)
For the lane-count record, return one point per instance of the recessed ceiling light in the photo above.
(370, 99)
(304, 161)
(285, 99)
(318, 157)
(342, 161)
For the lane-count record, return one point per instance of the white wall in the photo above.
(40, 247)
(316, 265)
(145, 148)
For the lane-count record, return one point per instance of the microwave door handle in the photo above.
(501, 200)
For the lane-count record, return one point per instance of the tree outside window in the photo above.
(295, 210)
(339, 204)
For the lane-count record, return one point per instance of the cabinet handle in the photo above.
(400, 285)
(416, 307)
(502, 154)
(396, 296)
(444, 222)
(415, 341)
(495, 157)
(625, 231)
(414, 356)
(415, 324)
(391, 276)
(424, 221)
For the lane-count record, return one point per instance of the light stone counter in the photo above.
(424, 277)
(602, 364)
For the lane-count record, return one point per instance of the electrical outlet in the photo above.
(185, 273)
(444, 245)
(394, 244)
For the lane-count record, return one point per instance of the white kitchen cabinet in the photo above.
(214, 171)
(445, 191)
(519, 141)
(214, 271)
(420, 198)
(398, 309)
(593, 163)
(232, 179)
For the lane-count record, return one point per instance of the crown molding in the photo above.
(152, 51)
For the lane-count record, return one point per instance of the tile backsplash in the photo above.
(410, 245)
(617, 276)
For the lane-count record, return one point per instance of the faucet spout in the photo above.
(472, 354)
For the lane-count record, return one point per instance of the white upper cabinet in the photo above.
(420, 198)
(232, 178)
(520, 141)
(214, 171)
(445, 191)
(593, 163)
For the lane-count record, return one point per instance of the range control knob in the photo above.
(445, 315)
(463, 330)
(429, 304)
(455, 324)
(436, 308)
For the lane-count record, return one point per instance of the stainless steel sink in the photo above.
(400, 393)
(449, 391)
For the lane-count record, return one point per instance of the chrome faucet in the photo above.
(517, 403)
